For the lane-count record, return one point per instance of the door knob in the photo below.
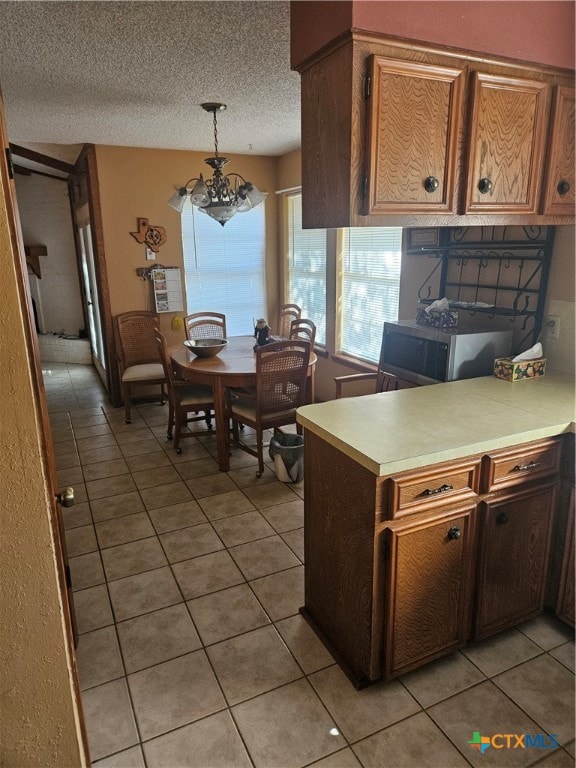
(454, 533)
(66, 498)
(484, 186)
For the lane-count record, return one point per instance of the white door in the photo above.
(91, 289)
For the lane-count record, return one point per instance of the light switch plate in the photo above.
(552, 326)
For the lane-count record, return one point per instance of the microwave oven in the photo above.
(425, 355)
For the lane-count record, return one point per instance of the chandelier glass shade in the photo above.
(223, 195)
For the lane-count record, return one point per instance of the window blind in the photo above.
(224, 267)
(370, 272)
(307, 268)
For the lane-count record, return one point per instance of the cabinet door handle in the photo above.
(563, 187)
(501, 518)
(525, 467)
(431, 184)
(442, 489)
(484, 186)
(454, 533)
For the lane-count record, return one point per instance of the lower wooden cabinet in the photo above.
(394, 578)
(514, 543)
(429, 575)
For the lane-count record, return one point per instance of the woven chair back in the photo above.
(205, 325)
(136, 337)
(303, 329)
(281, 371)
(288, 312)
(162, 354)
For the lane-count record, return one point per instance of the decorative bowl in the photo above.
(205, 347)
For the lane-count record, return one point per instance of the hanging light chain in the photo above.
(215, 133)
(223, 194)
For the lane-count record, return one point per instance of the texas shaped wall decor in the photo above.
(152, 236)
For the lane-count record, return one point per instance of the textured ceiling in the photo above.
(135, 73)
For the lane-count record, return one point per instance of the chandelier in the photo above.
(222, 196)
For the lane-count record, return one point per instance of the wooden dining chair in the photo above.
(281, 372)
(137, 356)
(383, 380)
(184, 398)
(288, 312)
(303, 329)
(205, 325)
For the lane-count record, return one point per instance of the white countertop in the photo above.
(395, 431)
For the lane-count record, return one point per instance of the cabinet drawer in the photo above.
(514, 466)
(418, 491)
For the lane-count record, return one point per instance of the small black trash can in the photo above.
(287, 451)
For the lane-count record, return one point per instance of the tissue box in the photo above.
(446, 320)
(504, 368)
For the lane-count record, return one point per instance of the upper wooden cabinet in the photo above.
(399, 133)
(413, 123)
(559, 195)
(506, 145)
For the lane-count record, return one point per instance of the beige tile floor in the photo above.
(192, 653)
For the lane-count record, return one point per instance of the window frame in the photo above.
(288, 298)
(334, 278)
(344, 234)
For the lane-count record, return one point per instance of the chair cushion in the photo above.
(196, 395)
(146, 372)
(247, 409)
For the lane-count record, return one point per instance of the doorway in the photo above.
(90, 287)
(54, 276)
(60, 211)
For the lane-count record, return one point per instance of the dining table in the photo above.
(233, 366)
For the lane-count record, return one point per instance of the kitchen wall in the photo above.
(531, 30)
(136, 183)
(560, 296)
(560, 302)
(45, 215)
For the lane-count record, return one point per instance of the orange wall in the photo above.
(136, 183)
(532, 30)
(290, 170)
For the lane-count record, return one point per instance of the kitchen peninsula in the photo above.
(435, 516)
